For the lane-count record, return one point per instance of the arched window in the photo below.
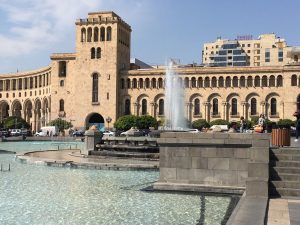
(186, 82)
(96, 34)
(298, 102)
(272, 81)
(95, 88)
(122, 83)
(108, 34)
(89, 34)
(206, 82)
(62, 69)
(249, 81)
(61, 105)
(257, 81)
(264, 81)
(200, 82)
(221, 82)
(197, 107)
(127, 107)
(144, 107)
(141, 83)
(235, 81)
(214, 82)
(128, 83)
(215, 107)
(83, 35)
(294, 80)
(93, 53)
(62, 83)
(160, 83)
(228, 82)
(98, 53)
(153, 83)
(279, 81)
(193, 82)
(134, 83)
(253, 107)
(147, 83)
(102, 34)
(242, 81)
(234, 107)
(161, 110)
(273, 106)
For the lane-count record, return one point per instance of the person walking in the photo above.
(243, 125)
(261, 122)
(297, 126)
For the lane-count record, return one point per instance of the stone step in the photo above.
(292, 151)
(292, 170)
(284, 163)
(284, 184)
(284, 192)
(288, 157)
(284, 177)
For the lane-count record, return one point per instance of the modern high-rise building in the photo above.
(267, 50)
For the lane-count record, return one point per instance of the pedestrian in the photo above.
(297, 126)
(243, 124)
(261, 122)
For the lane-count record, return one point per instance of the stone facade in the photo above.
(95, 82)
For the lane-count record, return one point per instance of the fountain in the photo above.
(174, 100)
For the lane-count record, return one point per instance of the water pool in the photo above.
(34, 194)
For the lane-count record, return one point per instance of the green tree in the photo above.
(285, 123)
(125, 122)
(219, 122)
(200, 123)
(60, 124)
(15, 122)
(146, 121)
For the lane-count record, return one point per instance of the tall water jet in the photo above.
(174, 100)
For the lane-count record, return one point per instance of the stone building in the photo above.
(96, 83)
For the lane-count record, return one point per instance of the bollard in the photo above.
(70, 147)
(57, 147)
(1, 167)
(9, 167)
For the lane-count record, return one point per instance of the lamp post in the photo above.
(108, 120)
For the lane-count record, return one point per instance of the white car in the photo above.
(108, 133)
(40, 134)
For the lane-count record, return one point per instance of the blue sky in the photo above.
(31, 30)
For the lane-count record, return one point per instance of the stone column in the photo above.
(10, 112)
(135, 108)
(263, 108)
(225, 110)
(152, 109)
(92, 138)
(244, 104)
(188, 110)
(206, 111)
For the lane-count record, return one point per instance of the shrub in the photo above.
(125, 122)
(285, 123)
(219, 122)
(146, 121)
(15, 122)
(199, 124)
(60, 124)
(254, 120)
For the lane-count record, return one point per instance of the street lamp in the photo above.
(108, 120)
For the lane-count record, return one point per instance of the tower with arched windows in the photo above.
(90, 75)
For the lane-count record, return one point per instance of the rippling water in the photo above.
(34, 194)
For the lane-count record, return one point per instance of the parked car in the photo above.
(78, 133)
(15, 132)
(132, 132)
(4, 133)
(108, 133)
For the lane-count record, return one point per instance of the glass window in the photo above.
(144, 107)
(161, 109)
(95, 88)
(273, 106)
(62, 69)
(294, 80)
(197, 107)
(234, 107)
(127, 107)
(253, 105)
(61, 105)
(215, 106)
